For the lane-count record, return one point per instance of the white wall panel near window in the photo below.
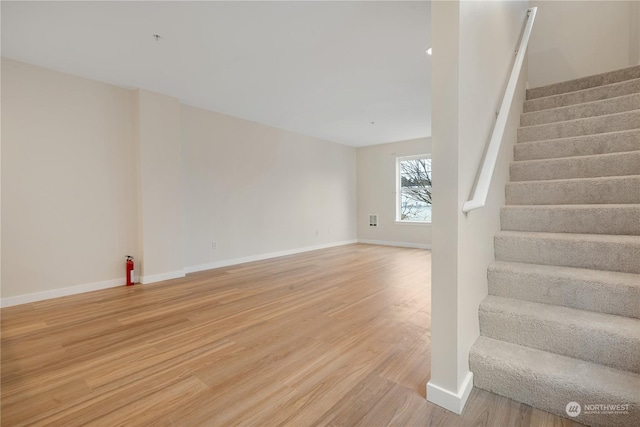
(376, 193)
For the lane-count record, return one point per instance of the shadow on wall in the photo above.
(538, 62)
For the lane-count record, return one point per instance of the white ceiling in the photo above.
(324, 69)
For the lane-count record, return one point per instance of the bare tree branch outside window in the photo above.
(415, 189)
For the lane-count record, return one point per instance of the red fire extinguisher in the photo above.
(129, 270)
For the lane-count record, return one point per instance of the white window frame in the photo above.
(399, 191)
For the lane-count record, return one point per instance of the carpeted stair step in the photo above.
(586, 95)
(610, 164)
(550, 381)
(561, 323)
(588, 126)
(594, 290)
(591, 251)
(581, 111)
(602, 190)
(595, 219)
(580, 334)
(611, 142)
(582, 83)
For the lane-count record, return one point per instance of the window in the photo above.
(413, 188)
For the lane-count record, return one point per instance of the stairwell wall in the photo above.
(484, 72)
(573, 39)
(474, 45)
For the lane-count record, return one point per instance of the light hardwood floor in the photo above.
(332, 337)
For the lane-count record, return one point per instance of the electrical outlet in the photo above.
(214, 245)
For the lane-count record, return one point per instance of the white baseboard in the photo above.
(73, 290)
(145, 280)
(260, 257)
(449, 400)
(62, 292)
(398, 244)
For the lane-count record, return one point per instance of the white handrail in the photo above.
(479, 198)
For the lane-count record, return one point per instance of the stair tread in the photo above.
(631, 100)
(635, 110)
(576, 318)
(613, 277)
(578, 237)
(611, 87)
(566, 370)
(577, 146)
(585, 157)
(582, 137)
(631, 206)
(605, 123)
(600, 291)
(610, 252)
(550, 381)
(592, 102)
(618, 219)
(586, 82)
(571, 191)
(573, 332)
(588, 166)
(561, 180)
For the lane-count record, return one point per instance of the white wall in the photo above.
(473, 44)
(445, 36)
(573, 39)
(485, 66)
(160, 180)
(253, 189)
(92, 172)
(376, 192)
(68, 180)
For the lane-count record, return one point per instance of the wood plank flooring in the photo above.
(334, 337)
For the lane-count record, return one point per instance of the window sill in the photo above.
(419, 223)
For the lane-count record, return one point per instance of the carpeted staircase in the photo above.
(562, 320)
